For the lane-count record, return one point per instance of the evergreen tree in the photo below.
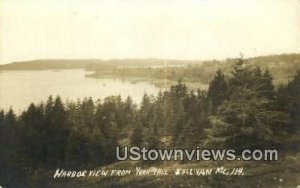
(294, 103)
(34, 134)
(11, 152)
(57, 131)
(1, 117)
(267, 86)
(217, 91)
(247, 119)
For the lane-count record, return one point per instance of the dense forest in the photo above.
(241, 109)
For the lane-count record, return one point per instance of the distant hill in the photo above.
(44, 64)
(282, 67)
(283, 60)
(86, 63)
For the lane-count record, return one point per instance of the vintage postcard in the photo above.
(150, 93)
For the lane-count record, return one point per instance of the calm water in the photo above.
(19, 88)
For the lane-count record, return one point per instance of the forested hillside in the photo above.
(280, 66)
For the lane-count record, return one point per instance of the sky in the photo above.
(167, 29)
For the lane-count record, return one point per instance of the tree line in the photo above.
(240, 110)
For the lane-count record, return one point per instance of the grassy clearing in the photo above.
(283, 173)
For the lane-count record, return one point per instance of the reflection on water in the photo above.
(19, 88)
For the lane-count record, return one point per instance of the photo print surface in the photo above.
(162, 93)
